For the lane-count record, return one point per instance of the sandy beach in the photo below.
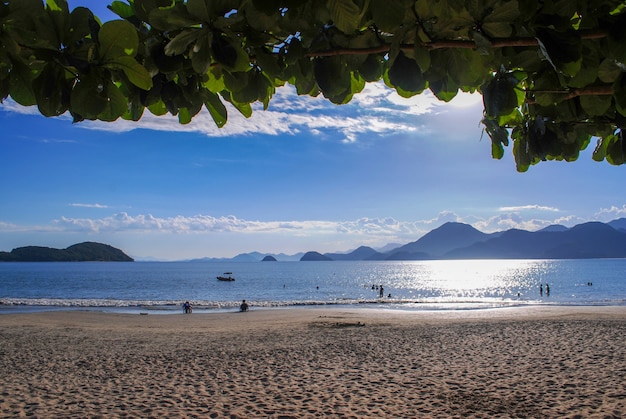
(555, 362)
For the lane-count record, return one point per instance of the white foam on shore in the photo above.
(23, 305)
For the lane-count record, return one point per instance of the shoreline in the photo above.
(173, 308)
(539, 361)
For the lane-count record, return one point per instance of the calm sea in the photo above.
(162, 287)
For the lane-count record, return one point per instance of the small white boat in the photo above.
(228, 276)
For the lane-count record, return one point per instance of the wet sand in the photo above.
(560, 362)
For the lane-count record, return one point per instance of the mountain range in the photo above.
(462, 241)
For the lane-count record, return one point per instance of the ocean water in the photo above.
(161, 287)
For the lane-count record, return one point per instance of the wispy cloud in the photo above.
(206, 223)
(79, 205)
(56, 141)
(359, 228)
(511, 220)
(376, 110)
(611, 213)
(529, 208)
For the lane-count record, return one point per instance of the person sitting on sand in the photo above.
(243, 306)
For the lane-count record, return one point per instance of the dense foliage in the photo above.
(551, 72)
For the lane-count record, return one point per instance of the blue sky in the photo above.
(303, 175)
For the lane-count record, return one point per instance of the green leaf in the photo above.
(79, 25)
(57, 5)
(184, 116)
(250, 90)
(143, 8)
(116, 104)
(209, 10)
(422, 57)
(201, 55)
(464, 66)
(499, 96)
(200, 9)
(174, 18)
(179, 44)
(118, 38)
(158, 108)
(444, 90)
(520, 151)
(135, 108)
(562, 49)
(608, 70)
(406, 76)
(244, 108)
(372, 68)
(215, 83)
(121, 9)
(619, 94)
(498, 23)
(268, 7)
(483, 44)
(389, 15)
(60, 17)
(20, 85)
(216, 109)
(229, 53)
(499, 137)
(295, 51)
(332, 76)
(345, 15)
(88, 98)
(596, 105)
(136, 73)
(599, 153)
(616, 149)
(51, 91)
(269, 63)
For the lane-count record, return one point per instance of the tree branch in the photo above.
(462, 44)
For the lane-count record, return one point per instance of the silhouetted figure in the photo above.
(381, 291)
(547, 290)
(187, 307)
(541, 290)
(243, 306)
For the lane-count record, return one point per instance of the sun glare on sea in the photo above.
(474, 278)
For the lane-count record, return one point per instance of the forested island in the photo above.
(81, 252)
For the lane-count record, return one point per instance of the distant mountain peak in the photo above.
(441, 240)
(314, 256)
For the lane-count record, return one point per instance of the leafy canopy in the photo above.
(551, 72)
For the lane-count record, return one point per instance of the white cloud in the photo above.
(509, 221)
(528, 208)
(609, 214)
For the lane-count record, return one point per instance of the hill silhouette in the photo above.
(82, 252)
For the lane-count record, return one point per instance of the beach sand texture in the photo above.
(567, 362)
